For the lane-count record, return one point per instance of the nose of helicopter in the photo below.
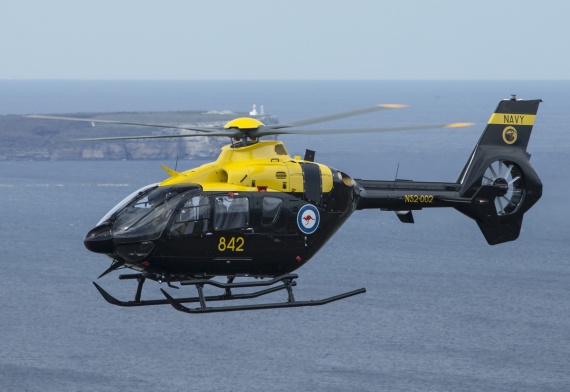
(100, 239)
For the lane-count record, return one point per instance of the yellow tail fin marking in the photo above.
(512, 119)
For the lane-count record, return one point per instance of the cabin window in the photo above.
(270, 209)
(231, 213)
(193, 217)
(280, 149)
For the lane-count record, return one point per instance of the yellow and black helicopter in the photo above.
(258, 213)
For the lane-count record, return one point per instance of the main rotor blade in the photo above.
(337, 116)
(226, 134)
(264, 131)
(92, 120)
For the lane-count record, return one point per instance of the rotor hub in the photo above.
(503, 186)
(244, 123)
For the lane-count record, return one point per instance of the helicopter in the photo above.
(258, 213)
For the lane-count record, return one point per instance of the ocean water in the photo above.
(443, 311)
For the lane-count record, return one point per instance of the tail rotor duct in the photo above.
(508, 175)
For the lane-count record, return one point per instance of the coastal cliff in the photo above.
(24, 138)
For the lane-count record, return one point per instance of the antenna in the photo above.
(176, 164)
(396, 177)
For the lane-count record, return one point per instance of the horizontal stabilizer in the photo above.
(405, 216)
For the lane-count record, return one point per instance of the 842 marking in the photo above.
(232, 244)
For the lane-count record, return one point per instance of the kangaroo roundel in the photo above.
(308, 219)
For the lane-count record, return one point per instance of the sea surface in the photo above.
(443, 310)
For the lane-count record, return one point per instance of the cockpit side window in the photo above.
(231, 213)
(271, 206)
(193, 217)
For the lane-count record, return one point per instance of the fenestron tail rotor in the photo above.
(509, 176)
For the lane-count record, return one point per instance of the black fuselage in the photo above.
(184, 232)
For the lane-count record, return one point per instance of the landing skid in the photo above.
(283, 282)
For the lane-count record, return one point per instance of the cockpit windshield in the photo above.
(123, 202)
(146, 216)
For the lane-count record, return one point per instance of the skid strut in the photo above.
(283, 282)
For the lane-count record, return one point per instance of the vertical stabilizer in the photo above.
(500, 164)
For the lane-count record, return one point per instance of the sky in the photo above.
(285, 40)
